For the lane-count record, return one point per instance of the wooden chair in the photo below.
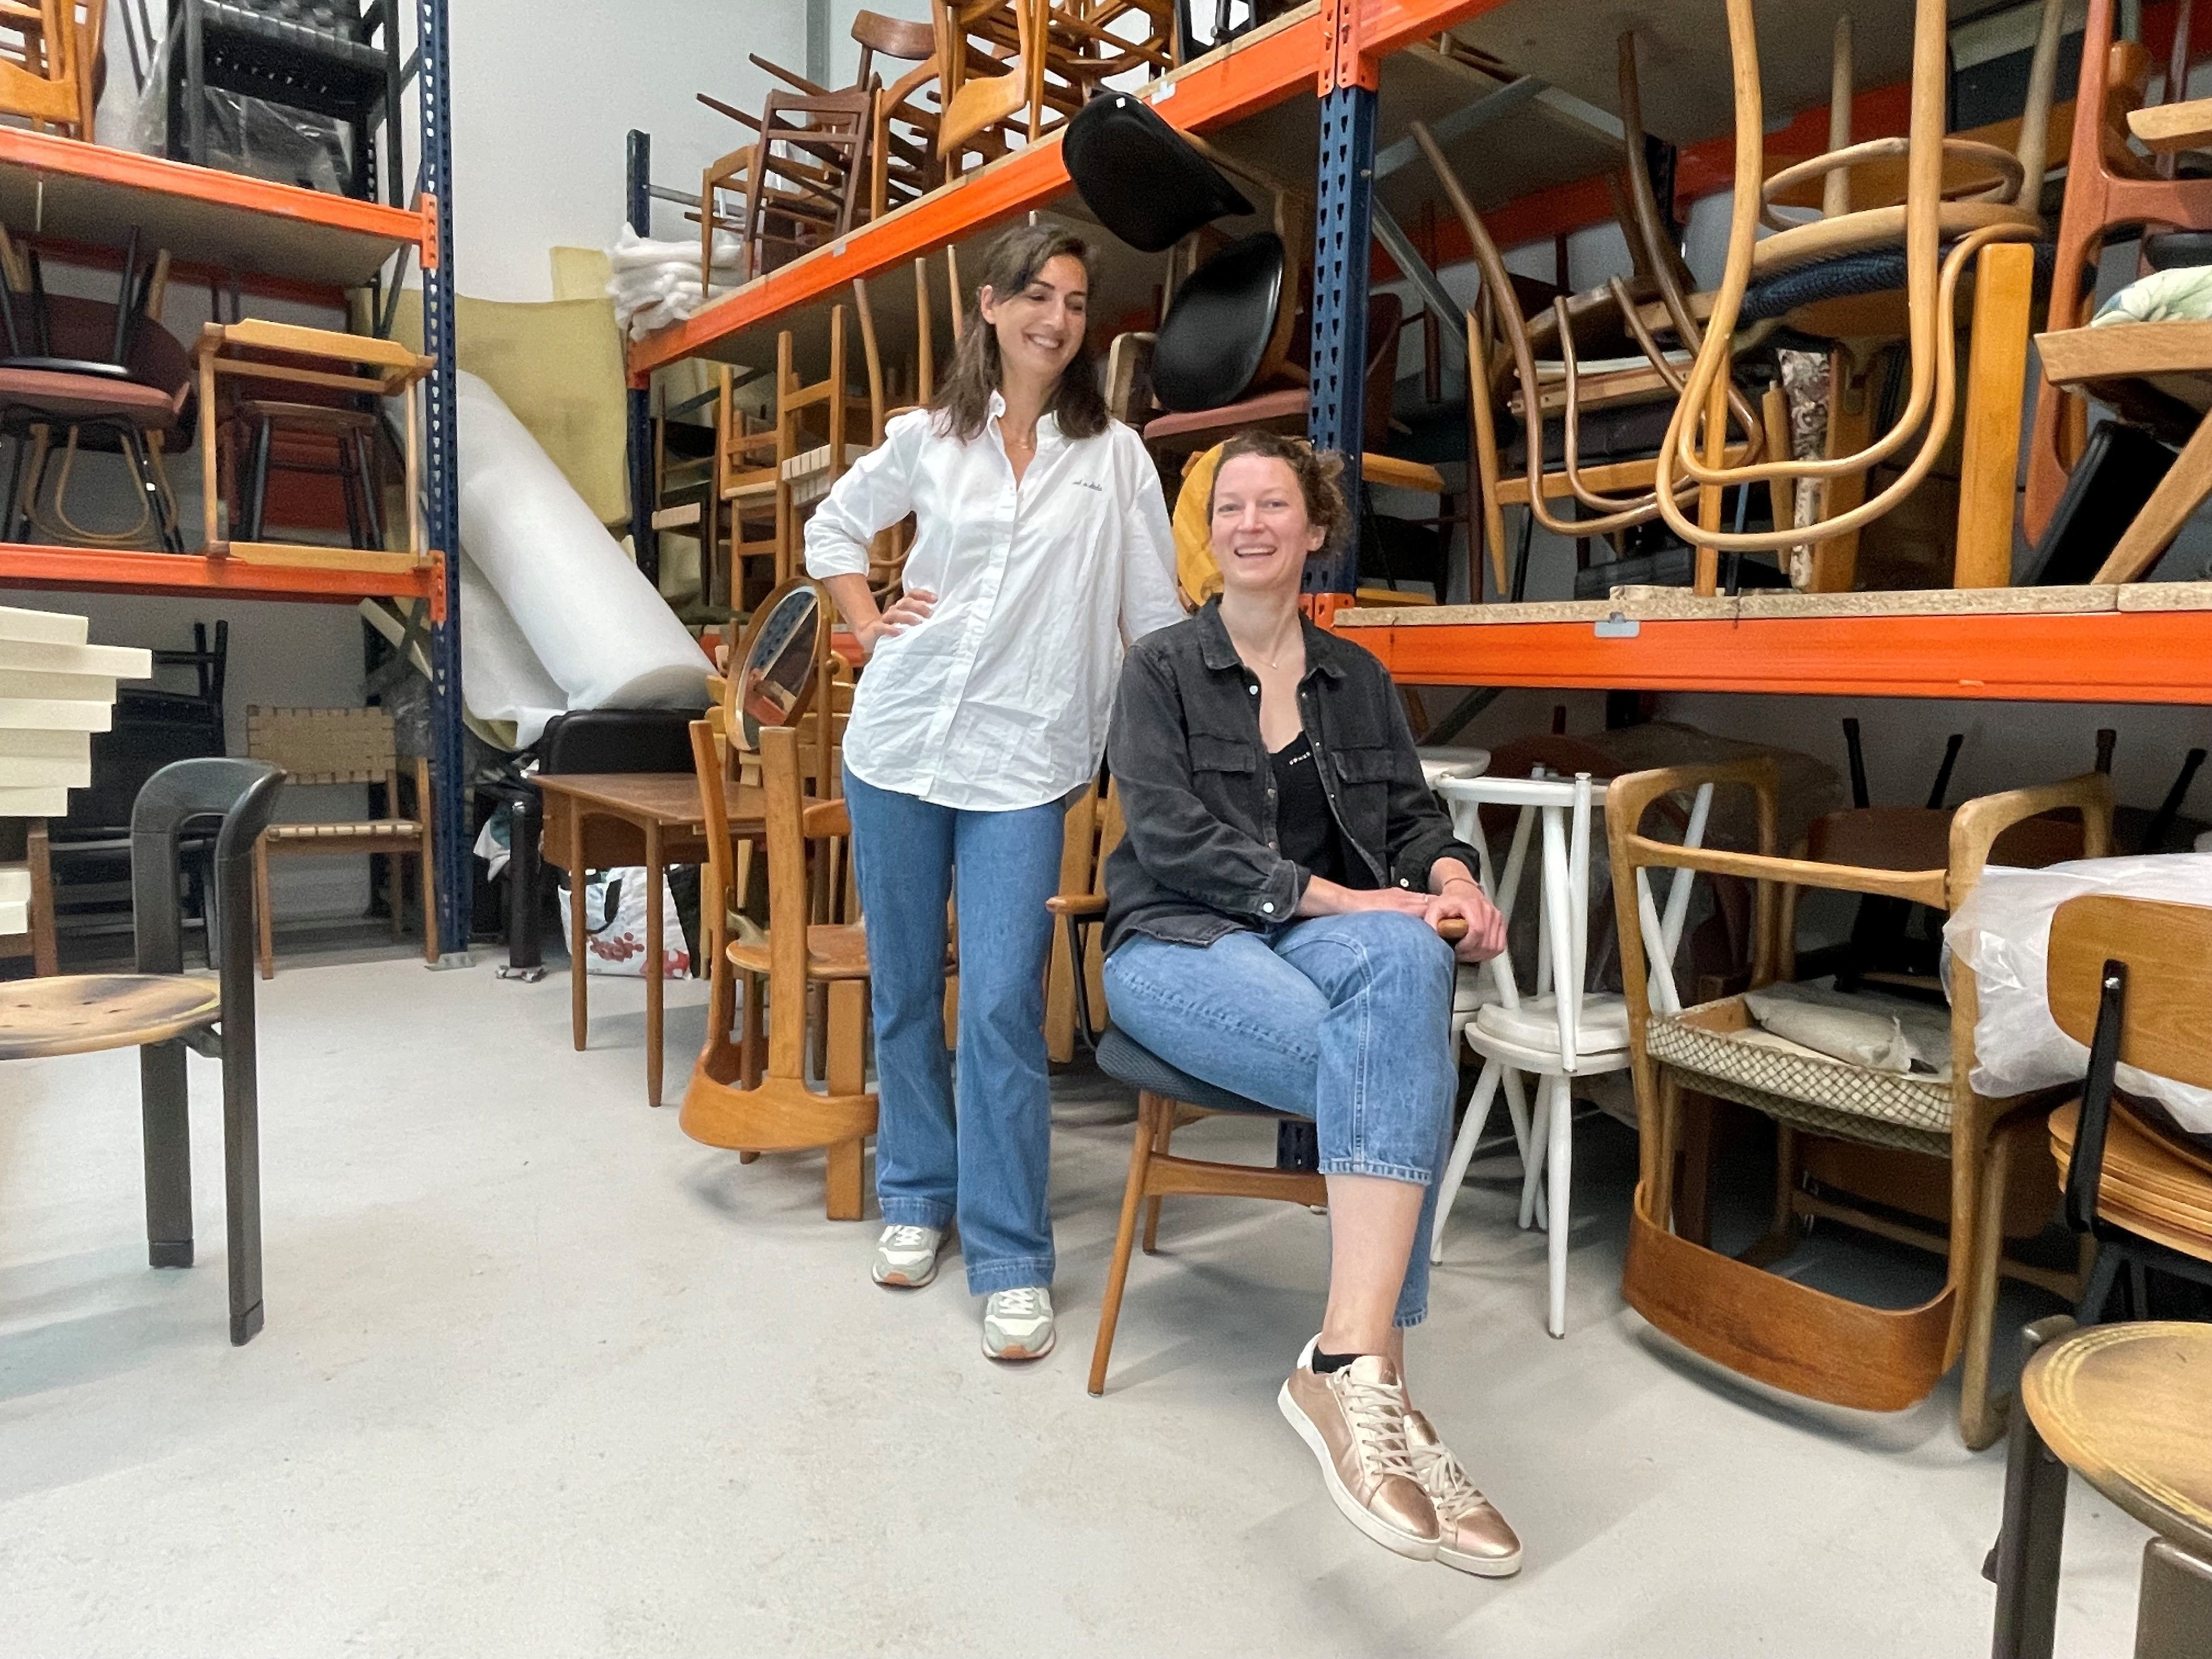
(50, 55)
(2108, 188)
(1608, 411)
(353, 746)
(27, 903)
(161, 1012)
(2129, 980)
(1074, 986)
(808, 174)
(321, 359)
(823, 426)
(1961, 198)
(746, 487)
(1014, 70)
(902, 141)
(1787, 1334)
(2125, 1407)
(741, 1096)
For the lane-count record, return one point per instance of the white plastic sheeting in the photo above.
(554, 615)
(2002, 931)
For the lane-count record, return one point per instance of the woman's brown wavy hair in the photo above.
(962, 404)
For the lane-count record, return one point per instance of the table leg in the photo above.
(578, 1016)
(655, 982)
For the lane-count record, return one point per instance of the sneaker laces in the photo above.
(1376, 1412)
(1026, 1303)
(1444, 1481)
(904, 1239)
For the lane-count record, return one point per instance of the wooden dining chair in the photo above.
(1761, 1324)
(1962, 197)
(1013, 69)
(319, 747)
(26, 902)
(162, 1011)
(2109, 189)
(50, 54)
(807, 177)
(748, 1090)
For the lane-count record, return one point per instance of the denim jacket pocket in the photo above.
(1221, 754)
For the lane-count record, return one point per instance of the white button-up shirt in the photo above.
(1000, 701)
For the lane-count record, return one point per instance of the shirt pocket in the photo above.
(1363, 776)
(1223, 773)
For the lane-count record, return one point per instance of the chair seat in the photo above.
(1273, 412)
(1603, 1029)
(1129, 1061)
(81, 1013)
(833, 951)
(1720, 1045)
(2151, 1185)
(367, 829)
(65, 397)
(319, 417)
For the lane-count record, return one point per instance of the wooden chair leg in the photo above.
(845, 1074)
(45, 958)
(426, 864)
(1983, 1419)
(750, 1028)
(1781, 1227)
(1164, 1128)
(393, 891)
(1150, 1109)
(842, 1197)
(1692, 1210)
(266, 931)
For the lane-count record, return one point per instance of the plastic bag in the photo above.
(2002, 931)
(656, 282)
(614, 923)
(251, 136)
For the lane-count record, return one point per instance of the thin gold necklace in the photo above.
(1298, 636)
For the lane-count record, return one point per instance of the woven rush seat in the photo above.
(379, 829)
(1733, 1058)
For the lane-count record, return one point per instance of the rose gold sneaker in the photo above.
(1475, 1536)
(1354, 1420)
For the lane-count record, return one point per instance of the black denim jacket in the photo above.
(1199, 856)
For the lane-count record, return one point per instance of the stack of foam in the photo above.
(55, 692)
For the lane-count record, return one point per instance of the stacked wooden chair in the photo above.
(1780, 1332)
(49, 63)
(1013, 70)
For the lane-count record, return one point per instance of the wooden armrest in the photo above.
(1082, 906)
(823, 819)
(2126, 351)
(1977, 825)
(2170, 127)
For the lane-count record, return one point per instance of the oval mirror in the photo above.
(774, 676)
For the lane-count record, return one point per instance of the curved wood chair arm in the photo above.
(1977, 825)
(825, 820)
(1079, 907)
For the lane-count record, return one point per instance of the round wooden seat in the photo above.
(81, 1013)
(2128, 1407)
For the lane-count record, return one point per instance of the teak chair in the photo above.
(161, 1012)
(27, 903)
(2108, 188)
(324, 361)
(2130, 980)
(737, 1096)
(1014, 70)
(1943, 226)
(49, 58)
(323, 746)
(1782, 1332)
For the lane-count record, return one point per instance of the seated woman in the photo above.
(1272, 927)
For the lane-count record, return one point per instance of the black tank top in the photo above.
(1303, 823)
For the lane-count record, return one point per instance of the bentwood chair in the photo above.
(161, 1012)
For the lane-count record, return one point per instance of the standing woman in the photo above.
(1042, 546)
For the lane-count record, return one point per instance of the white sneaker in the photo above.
(906, 1257)
(1018, 1324)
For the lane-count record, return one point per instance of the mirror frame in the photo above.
(733, 688)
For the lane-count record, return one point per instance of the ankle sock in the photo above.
(1325, 1363)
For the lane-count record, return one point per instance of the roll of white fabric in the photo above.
(602, 634)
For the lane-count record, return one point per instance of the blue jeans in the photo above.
(986, 1163)
(1343, 1019)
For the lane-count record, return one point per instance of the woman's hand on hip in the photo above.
(910, 607)
(1486, 929)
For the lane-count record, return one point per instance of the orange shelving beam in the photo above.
(83, 570)
(2128, 656)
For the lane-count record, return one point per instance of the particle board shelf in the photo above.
(92, 194)
(79, 569)
(2057, 645)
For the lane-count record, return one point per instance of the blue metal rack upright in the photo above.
(1344, 229)
(441, 461)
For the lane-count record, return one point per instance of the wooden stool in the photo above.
(2128, 1407)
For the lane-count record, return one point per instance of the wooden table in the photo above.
(601, 820)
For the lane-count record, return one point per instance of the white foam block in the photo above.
(53, 715)
(51, 772)
(29, 743)
(35, 803)
(15, 884)
(120, 662)
(15, 916)
(66, 688)
(53, 626)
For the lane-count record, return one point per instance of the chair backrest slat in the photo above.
(2167, 1028)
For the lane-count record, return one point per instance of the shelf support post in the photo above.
(441, 463)
(1344, 197)
(637, 210)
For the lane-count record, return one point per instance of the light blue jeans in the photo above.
(1343, 1019)
(987, 1163)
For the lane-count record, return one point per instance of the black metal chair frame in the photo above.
(257, 55)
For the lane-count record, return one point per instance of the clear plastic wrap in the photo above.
(249, 135)
(656, 282)
(2002, 931)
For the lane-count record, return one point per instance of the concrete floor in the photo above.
(542, 1377)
